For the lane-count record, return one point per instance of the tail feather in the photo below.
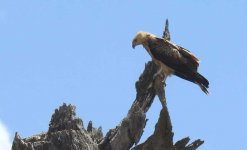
(204, 89)
(202, 82)
(197, 78)
(201, 79)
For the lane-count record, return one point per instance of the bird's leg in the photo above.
(159, 83)
(164, 82)
(155, 76)
(157, 73)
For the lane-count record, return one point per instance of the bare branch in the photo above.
(131, 128)
(166, 33)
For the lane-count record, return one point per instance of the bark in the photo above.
(130, 130)
(166, 33)
(66, 132)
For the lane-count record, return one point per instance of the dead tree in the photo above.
(130, 130)
(66, 131)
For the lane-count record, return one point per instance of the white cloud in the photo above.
(5, 143)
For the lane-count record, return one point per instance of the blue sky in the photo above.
(79, 52)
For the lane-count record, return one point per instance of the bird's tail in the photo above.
(197, 78)
(202, 82)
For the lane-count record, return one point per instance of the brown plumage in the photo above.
(172, 59)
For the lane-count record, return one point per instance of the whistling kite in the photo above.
(171, 58)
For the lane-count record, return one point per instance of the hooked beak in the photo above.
(133, 44)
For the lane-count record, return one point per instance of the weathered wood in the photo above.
(162, 138)
(166, 33)
(130, 130)
(66, 132)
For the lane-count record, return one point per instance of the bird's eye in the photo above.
(135, 40)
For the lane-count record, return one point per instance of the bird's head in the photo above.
(139, 38)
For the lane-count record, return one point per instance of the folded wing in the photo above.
(183, 62)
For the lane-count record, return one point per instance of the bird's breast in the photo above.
(165, 69)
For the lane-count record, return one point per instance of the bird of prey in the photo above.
(171, 59)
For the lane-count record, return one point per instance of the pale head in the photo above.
(140, 38)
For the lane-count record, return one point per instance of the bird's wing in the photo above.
(173, 56)
(182, 61)
(183, 51)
